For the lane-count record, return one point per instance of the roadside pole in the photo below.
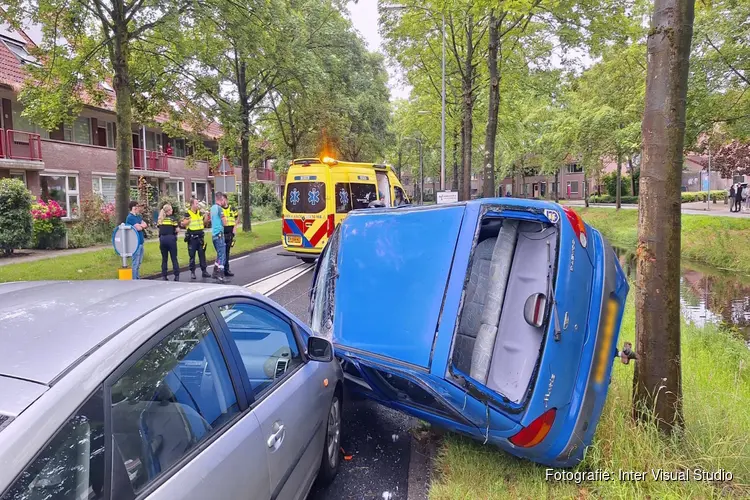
(708, 197)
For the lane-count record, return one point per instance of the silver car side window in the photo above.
(72, 464)
(265, 341)
(170, 400)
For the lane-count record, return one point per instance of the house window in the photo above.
(110, 135)
(178, 148)
(543, 188)
(574, 168)
(20, 175)
(79, 131)
(199, 191)
(22, 123)
(176, 189)
(573, 187)
(105, 188)
(63, 189)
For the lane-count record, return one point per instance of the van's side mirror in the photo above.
(319, 349)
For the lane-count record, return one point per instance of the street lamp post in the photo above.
(442, 97)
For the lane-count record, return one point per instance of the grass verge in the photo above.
(718, 241)
(103, 264)
(716, 385)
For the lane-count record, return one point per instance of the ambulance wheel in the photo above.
(308, 260)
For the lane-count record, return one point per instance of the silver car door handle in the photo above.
(275, 436)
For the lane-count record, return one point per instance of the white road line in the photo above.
(277, 281)
(289, 282)
(264, 278)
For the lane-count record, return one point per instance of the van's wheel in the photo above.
(331, 460)
(308, 260)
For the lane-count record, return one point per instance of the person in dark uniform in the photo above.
(168, 225)
(195, 222)
(230, 230)
(738, 198)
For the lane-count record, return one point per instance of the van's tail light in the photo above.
(536, 431)
(578, 225)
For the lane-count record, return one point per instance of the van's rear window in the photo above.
(305, 197)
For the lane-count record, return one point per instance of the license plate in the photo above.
(606, 353)
(294, 240)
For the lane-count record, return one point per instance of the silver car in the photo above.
(124, 390)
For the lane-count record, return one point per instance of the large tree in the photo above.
(86, 45)
(658, 378)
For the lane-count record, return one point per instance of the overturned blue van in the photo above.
(494, 318)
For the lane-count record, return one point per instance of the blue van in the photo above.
(494, 318)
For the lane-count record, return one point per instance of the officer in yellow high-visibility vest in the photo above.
(195, 222)
(230, 229)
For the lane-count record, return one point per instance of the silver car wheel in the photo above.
(334, 432)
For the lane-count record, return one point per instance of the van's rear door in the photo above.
(393, 268)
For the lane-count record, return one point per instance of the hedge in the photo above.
(686, 197)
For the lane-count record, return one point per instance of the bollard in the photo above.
(125, 273)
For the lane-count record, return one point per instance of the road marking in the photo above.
(289, 282)
(277, 281)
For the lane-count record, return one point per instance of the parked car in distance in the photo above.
(495, 318)
(144, 389)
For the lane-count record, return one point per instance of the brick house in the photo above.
(569, 184)
(77, 161)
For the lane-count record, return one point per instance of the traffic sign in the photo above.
(125, 240)
(447, 197)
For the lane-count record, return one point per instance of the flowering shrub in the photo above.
(48, 229)
(95, 223)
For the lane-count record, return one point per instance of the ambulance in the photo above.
(319, 193)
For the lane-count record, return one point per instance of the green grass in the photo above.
(103, 264)
(716, 385)
(718, 241)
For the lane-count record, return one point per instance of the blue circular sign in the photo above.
(127, 236)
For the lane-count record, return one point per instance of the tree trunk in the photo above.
(632, 176)
(585, 189)
(398, 167)
(557, 186)
(494, 104)
(657, 385)
(618, 186)
(245, 147)
(455, 158)
(124, 118)
(468, 105)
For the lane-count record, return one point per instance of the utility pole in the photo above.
(421, 173)
(442, 125)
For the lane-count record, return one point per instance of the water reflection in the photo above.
(707, 294)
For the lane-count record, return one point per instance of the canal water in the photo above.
(708, 294)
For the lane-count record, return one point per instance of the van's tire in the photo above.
(331, 459)
(308, 260)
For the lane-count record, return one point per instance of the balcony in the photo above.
(149, 161)
(20, 149)
(264, 174)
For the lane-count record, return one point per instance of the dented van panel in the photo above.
(495, 318)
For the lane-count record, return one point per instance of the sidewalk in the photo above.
(32, 255)
(696, 208)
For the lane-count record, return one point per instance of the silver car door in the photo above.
(290, 398)
(179, 420)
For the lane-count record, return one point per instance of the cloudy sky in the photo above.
(364, 15)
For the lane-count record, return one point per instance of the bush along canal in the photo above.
(708, 295)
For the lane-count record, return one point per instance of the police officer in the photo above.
(230, 229)
(195, 222)
(168, 225)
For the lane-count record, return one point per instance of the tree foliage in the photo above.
(15, 215)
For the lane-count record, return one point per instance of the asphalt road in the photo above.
(377, 439)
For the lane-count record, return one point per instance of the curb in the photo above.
(241, 254)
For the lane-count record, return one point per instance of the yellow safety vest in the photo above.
(231, 216)
(196, 221)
